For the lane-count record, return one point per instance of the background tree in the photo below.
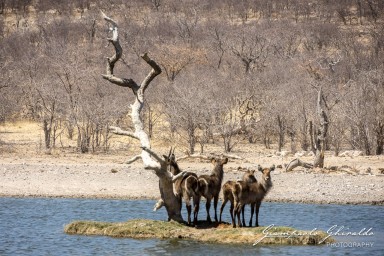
(278, 53)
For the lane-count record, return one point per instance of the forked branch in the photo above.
(154, 155)
(156, 70)
(124, 82)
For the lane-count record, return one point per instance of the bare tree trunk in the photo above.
(321, 134)
(311, 135)
(150, 159)
(47, 134)
(281, 125)
(191, 138)
(319, 143)
(379, 138)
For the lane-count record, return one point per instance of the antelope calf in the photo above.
(186, 188)
(228, 188)
(210, 185)
(251, 193)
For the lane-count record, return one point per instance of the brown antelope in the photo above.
(210, 185)
(251, 193)
(186, 188)
(228, 187)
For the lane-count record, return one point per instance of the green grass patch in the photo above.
(222, 233)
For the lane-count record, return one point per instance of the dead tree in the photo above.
(151, 160)
(321, 133)
(319, 139)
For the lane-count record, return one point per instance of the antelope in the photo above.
(228, 188)
(186, 188)
(210, 185)
(251, 193)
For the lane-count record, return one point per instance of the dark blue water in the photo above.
(35, 227)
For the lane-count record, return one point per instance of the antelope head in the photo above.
(266, 172)
(171, 156)
(219, 161)
(170, 160)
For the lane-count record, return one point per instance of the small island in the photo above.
(222, 233)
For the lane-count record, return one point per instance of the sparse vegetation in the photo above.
(244, 71)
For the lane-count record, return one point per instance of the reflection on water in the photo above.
(35, 227)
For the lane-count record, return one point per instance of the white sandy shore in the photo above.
(106, 178)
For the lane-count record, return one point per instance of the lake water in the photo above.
(34, 226)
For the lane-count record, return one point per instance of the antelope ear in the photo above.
(272, 168)
(260, 168)
(253, 171)
(165, 157)
(213, 160)
(225, 161)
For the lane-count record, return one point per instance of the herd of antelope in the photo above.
(240, 193)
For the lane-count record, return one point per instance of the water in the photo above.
(30, 226)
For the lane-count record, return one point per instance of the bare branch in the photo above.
(109, 19)
(112, 60)
(153, 154)
(133, 159)
(119, 131)
(123, 82)
(180, 176)
(156, 70)
(3, 86)
(158, 205)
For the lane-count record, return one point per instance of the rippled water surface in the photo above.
(34, 226)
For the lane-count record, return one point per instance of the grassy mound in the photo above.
(222, 233)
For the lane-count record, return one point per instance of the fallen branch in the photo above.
(133, 159)
(230, 156)
(198, 156)
(297, 162)
(209, 157)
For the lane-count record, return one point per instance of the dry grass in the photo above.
(223, 233)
